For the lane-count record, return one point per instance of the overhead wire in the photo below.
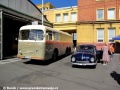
(70, 4)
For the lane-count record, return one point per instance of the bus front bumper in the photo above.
(28, 57)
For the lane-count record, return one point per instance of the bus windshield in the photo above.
(32, 34)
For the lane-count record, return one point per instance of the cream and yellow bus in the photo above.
(43, 43)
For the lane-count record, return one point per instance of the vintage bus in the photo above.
(43, 43)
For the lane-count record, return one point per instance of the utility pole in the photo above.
(42, 13)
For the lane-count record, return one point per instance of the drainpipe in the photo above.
(42, 12)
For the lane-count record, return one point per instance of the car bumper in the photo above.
(84, 64)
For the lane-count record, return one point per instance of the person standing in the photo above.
(111, 48)
(119, 59)
(105, 56)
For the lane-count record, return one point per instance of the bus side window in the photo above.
(59, 36)
(49, 35)
(55, 36)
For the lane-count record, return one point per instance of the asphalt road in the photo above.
(16, 74)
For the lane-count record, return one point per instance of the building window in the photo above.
(111, 34)
(111, 13)
(73, 16)
(65, 17)
(74, 36)
(57, 17)
(100, 14)
(100, 35)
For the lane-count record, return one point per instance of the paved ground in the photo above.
(16, 73)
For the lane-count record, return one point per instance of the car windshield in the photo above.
(83, 48)
(32, 34)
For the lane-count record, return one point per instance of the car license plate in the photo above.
(81, 64)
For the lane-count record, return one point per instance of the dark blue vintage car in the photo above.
(86, 55)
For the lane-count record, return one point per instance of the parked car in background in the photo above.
(86, 55)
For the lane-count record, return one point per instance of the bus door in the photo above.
(49, 44)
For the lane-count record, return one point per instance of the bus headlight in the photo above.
(37, 51)
(20, 51)
(73, 59)
(92, 59)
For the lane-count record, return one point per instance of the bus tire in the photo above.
(66, 52)
(54, 56)
(69, 51)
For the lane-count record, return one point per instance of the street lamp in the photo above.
(42, 12)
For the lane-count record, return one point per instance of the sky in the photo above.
(58, 3)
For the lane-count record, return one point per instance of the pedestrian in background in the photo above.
(74, 49)
(119, 58)
(105, 56)
(111, 49)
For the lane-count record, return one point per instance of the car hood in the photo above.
(83, 56)
(78, 54)
(84, 53)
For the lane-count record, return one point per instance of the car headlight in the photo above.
(73, 59)
(92, 59)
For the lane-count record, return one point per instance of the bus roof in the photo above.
(43, 27)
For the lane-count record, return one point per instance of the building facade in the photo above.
(46, 6)
(63, 19)
(98, 21)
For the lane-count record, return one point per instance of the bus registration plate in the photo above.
(26, 57)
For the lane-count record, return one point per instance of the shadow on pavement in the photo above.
(9, 57)
(84, 67)
(1, 88)
(116, 76)
(47, 62)
(100, 61)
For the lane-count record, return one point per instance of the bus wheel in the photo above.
(54, 56)
(66, 52)
(69, 51)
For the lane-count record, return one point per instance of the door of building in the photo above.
(1, 40)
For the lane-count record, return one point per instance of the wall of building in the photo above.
(49, 15)
(87, 8)
(67, 26)
(88, 22)
(87, 33)
(46, 6)
(23, 6)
